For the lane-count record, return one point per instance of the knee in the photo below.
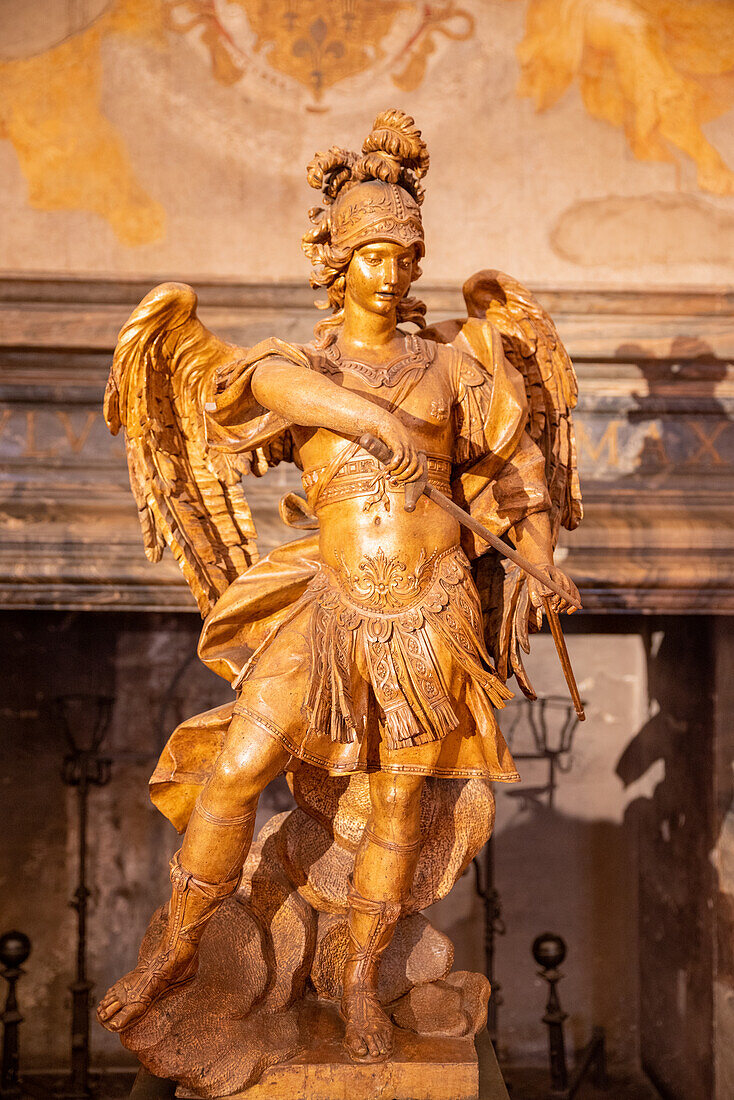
(239, 776)
(398, 797)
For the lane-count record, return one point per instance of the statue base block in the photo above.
(421, 1068)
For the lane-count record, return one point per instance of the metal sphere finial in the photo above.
(15, 947)
(549, 951)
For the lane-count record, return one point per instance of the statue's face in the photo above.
(379, 275)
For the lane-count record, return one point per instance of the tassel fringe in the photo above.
(403, 667)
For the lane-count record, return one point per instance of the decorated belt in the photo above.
(367, 477)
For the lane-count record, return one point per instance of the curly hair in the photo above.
(393, 152)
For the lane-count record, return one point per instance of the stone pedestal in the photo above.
(421, 1068)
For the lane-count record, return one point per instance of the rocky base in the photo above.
(421, 1067)
(282, 940)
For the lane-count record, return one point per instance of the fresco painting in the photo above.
(658, 73)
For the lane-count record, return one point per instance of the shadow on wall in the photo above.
(579, 876)
(723, 856)
(693, 370)
(673, 829)
(582, 886)
(631, 897)
(569, 869)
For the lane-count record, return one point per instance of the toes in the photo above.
(122, 1019)
(378, 1044)
(384, 1041)
(373, 1046)
(357, 1046)
(108, 1008)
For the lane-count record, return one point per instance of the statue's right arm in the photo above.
(311, 400)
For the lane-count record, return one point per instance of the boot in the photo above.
(371, 924)
(175, 962)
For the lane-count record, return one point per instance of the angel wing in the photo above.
(188, 497)
(532, 344)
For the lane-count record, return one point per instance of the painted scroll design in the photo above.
(71, 154)
(660, 70)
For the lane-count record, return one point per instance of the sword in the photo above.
(413, 490)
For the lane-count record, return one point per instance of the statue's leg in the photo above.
(204, 872)
(383, 873)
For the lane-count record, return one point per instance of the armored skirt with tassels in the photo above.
(348, 684)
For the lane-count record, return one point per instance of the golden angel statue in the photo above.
(369, 657)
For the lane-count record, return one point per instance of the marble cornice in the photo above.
(655, 432)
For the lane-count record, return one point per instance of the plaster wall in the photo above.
(569, 867)
(722, 859)
(583, 143)
(587, 144)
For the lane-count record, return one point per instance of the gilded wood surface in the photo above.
(376, 650)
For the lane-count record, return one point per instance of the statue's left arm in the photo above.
(532, 536)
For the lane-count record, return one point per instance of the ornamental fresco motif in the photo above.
(658, 69)
(51, 77)
(319, 43)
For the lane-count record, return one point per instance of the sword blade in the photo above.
(468, 520)
(382, 453)
(561, 649)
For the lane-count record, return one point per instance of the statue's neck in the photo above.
(363, 331)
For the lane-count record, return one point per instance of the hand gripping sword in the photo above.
(414, 489)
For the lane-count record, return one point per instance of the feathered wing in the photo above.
(188, 498)
(532, 345)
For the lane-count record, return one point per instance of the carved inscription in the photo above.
(41, 433)
(618, 445)
(668, 444)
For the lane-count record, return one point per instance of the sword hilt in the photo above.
(379, 450)
(376, 448)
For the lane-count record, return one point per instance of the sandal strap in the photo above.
(145, 980)
(369, 938)
(183, 880)
(193, 901)
(386, 912)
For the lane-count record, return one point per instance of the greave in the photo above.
(216, 846)
(371, 925)
(193, 902)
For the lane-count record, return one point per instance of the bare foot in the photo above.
(128, 1000)
(368, 1034)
